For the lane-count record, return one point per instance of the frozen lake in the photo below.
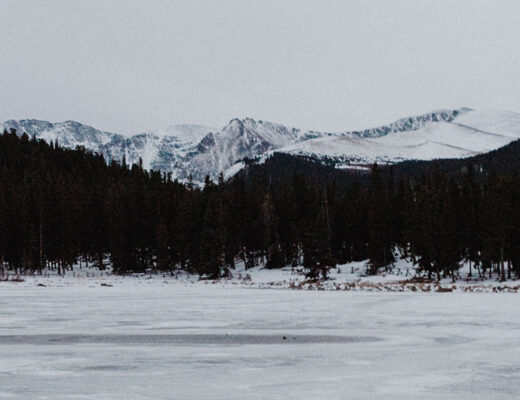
(179, 341)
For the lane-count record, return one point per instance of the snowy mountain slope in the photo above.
(366, 151)
(186, 133)
(163, 150)
(242, 139)
(466, 134)
(197, 151)
(413, 123)
(247, 138)
(68, 133)
(505, 123)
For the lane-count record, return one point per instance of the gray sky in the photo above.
(130, 66)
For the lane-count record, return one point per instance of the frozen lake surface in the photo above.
(162, 341)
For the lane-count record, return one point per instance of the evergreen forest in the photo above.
(60, 207)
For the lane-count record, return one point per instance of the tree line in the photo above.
(59, 207)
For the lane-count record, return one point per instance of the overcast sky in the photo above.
(131, 66)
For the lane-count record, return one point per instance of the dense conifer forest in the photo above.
(59, 207)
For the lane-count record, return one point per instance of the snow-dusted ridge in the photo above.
(195, 150)
(457, 134)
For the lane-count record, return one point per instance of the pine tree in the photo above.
(3, 226)
(470, 194)
(380, 244)
(211, 261)
(317, 257)
(271, 237)
(164, 261)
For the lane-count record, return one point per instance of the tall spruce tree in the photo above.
(271, 237)
(380, 244)
(317, 245)
(211, 260)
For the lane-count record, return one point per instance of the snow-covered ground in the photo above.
(165, 338)
(352, 277)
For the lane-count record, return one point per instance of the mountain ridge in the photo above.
(190, 150)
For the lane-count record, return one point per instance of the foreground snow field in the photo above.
(151, 340)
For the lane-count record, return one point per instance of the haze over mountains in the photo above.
(198, 151)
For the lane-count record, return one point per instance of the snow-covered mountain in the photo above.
(163, 150)
(458, 134)
(198, 151)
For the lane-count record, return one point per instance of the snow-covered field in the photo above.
(403, 277)
(164, 338)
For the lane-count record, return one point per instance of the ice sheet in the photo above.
(95, 342)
